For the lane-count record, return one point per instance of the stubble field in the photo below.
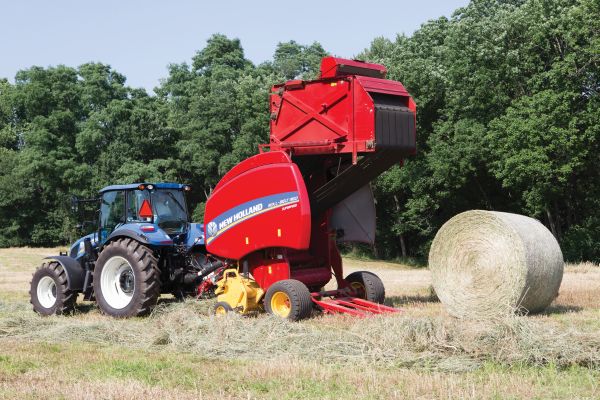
(182, 352)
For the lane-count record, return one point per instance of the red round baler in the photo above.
(279, 215)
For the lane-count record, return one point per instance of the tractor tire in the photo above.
(222, 308)
(289, 299)
(126, 279)
(367, 285)
(49, 292)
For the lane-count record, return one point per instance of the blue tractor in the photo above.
(144, 246)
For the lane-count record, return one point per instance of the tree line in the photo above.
(508, 120)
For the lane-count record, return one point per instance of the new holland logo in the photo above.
(211, 229)
(247, 210)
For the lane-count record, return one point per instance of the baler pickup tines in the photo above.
(351, 305)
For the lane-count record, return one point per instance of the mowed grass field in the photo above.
(182, 352)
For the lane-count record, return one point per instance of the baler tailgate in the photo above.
(353, 306)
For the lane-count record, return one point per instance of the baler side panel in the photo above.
(265, 206)
(312, 118)
(275, 157)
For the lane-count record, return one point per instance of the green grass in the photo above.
(168, 371)
(10, 365)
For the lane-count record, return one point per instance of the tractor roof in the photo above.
(161, 185)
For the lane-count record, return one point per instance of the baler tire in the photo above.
(372, 286)
(64, 299)
(300, 301)
(222, 308)
(146, 274)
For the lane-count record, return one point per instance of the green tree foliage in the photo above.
(507, 95)
(295, 61)
(66, 131)
(508, 119)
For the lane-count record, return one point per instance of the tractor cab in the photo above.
(149, 207)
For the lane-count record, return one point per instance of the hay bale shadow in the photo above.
(561, 309)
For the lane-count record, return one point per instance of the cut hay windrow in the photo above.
(487, 263)
(429, 342)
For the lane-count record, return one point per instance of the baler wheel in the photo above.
(49, 291)
(289, 299)
(222, 308)
(367, 285)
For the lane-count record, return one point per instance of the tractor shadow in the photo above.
(90, 306)
(84, 308)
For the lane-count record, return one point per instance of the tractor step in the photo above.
(351, 305)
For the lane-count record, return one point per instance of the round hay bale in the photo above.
(486, 263)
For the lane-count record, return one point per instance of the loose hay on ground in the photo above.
(431, 342)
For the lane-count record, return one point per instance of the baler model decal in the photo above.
(250, 209)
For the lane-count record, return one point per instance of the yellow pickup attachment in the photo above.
(237, 293)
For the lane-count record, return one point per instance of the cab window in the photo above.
(170, 212)
(112, 209)
(135, 199)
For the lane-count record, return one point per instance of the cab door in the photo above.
(112, 213)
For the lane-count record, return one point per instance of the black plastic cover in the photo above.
(394, 123)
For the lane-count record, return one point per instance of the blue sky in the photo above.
(140, 38)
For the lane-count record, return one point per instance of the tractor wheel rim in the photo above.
(280, 304)
(117, 282)
(46, 292)
(359, 289)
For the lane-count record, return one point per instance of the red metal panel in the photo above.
(312, 277)
(275, 157)
(331, 115)
(266, 205)
(267, 271)
(315, 116)
(382, 86)
(333, 66)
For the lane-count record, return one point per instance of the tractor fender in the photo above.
(120, 233)
(75, 273)
(157, 237)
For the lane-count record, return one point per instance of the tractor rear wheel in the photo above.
(289, 299)
(126, 279)
(49, 293)
(367, 286)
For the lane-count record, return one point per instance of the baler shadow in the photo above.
(411, 299)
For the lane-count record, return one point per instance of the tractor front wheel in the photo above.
(367, 286)
(49, 292)
(289, 299)
(126, 279)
